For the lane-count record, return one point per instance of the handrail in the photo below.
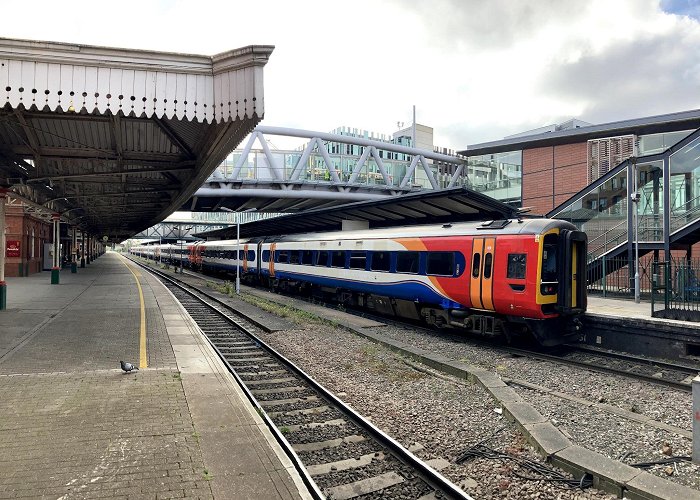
(624, 221)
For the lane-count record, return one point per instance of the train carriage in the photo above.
(505, 277)
(490, 278)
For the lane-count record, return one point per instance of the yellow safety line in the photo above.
(143, 357)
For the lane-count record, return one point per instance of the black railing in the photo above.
(613, 277)
(676, 289)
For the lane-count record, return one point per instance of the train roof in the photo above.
(451, 205)
(487, 228)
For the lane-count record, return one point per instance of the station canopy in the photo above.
(114, 140)
(425, 207)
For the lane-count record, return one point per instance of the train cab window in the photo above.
(322, 258)
(517, 265)
(282, 256)
(266, 256)
(338, 258)
(549, 259)
(407, 262)
(358, 259)
(488, 261)
(381, 261)
(307, 257)
(294, 257)
(440, 263)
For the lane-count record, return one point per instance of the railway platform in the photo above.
(72, 424)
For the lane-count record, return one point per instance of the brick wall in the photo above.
(552, 175)
(19, 228)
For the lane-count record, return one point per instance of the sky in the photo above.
(476, 70)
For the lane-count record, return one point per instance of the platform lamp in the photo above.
(182, 258)
(635, 198)
(238, 243)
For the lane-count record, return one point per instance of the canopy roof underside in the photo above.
(115, 140)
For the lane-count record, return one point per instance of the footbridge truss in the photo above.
(325, 172)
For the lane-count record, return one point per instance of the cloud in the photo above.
(654, 73)
(476, 70)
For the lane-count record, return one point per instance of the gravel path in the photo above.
(438, 417)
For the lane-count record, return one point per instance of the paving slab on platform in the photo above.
(72, 424)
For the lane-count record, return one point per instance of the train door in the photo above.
(481, 280)
(272, 259)
(245, 258)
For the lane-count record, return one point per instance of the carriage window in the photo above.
(307, 257)
(380, 261)
(476, 265)
(294, 257)
(322, 258)
(338, 258)
(517, 264)
(358, 260)
(241, 254)
(407, 262)
(487, 265)
(266, 256)
(282, 256)
(251, 255)
(441, 263)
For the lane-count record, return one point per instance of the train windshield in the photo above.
(549, 259)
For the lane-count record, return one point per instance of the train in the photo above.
(501, 278)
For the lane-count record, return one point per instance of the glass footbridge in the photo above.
(648, 204)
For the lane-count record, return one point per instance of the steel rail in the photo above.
(428, 474)
(597, 368)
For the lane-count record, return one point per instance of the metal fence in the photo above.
(676, 289)
(612, 277)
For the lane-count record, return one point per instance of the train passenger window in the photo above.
(517, 265)
(241, 254)
(381, 261)
(266, 256)
(338, 258)
(322, 259)
(294, 257)
(441, 263)
(476, 265)
(488, 260)
(407, 262)
(307, 257)
(358, 260)
(251, 255)
(282, 256)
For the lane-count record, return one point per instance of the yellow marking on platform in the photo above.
(143, 357)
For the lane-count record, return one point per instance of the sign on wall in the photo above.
(12, 248)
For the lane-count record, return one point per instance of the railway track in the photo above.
(653, 371)
(339, 454)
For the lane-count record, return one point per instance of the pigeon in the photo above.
(127, 367)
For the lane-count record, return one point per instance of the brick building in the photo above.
(25, 237)
(553, 163)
